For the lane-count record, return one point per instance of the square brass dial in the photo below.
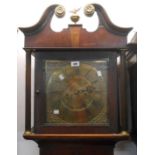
(76, 92)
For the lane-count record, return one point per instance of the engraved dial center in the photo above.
(78, 93)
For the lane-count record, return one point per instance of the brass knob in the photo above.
(60, 11)
(89, 10)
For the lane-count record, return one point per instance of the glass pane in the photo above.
(76, 92)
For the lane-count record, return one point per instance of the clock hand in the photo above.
(88, 72)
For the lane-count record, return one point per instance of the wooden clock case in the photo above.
(108, 39)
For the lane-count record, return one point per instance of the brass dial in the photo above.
(76, 93)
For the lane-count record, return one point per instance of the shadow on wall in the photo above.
(125, 148)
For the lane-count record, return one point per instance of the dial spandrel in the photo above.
(76, 92)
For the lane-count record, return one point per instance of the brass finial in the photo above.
(89, 10)
(75, 18)
(59, 11)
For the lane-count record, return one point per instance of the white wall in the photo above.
(122, 13)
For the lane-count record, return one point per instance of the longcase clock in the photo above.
(80, 87)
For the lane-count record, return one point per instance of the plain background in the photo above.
(138, 14)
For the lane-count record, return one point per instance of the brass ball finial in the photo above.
(60, 11)
(89, 10)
